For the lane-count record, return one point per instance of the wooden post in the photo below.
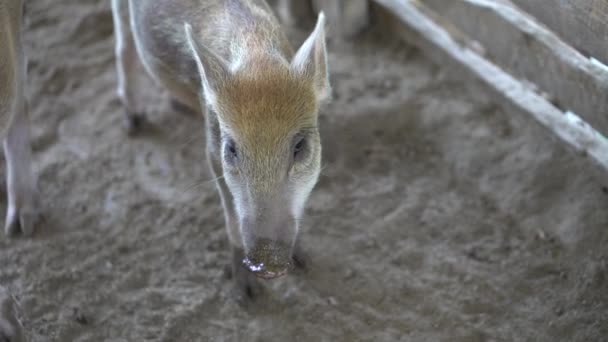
(528, 50)
(581, 23)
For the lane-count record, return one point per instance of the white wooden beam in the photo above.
(454, 50)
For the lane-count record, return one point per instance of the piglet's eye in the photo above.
(231, 154)
(299, 147)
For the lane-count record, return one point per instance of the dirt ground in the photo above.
(438, 216)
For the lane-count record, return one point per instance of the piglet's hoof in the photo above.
(21, 222)
(22, 216)
(134, 123)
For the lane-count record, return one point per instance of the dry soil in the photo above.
(438, 216)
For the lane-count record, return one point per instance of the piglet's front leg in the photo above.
(126, 64)
(22, 213)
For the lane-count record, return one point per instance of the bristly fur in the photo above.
(266, 96)
(231, 56)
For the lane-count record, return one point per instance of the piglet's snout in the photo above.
(268, 238)
(268, 258)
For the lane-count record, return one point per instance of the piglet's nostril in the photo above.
(268, 259)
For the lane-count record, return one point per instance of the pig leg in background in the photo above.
(23, 210)
(126, 63)
(10, 328)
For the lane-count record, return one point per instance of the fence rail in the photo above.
(442, 34)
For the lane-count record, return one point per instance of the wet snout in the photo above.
(268, 242)
(268, 258)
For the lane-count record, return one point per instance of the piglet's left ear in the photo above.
(213, 70)
(311, 60)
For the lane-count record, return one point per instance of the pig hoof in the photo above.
(21, 221)
(134, 123)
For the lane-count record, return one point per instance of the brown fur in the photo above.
(266, 97)
(222, 26)
(231, 56)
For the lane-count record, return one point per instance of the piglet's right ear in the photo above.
(213, 70)
(311, 60)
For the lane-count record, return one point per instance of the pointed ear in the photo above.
(311, 60)
(213, 70)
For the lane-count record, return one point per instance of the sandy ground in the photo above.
(438, 217)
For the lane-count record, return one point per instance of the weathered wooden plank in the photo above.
(528, 50)
(581, 23)
(456, 52)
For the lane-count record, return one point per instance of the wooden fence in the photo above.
(543, 59)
